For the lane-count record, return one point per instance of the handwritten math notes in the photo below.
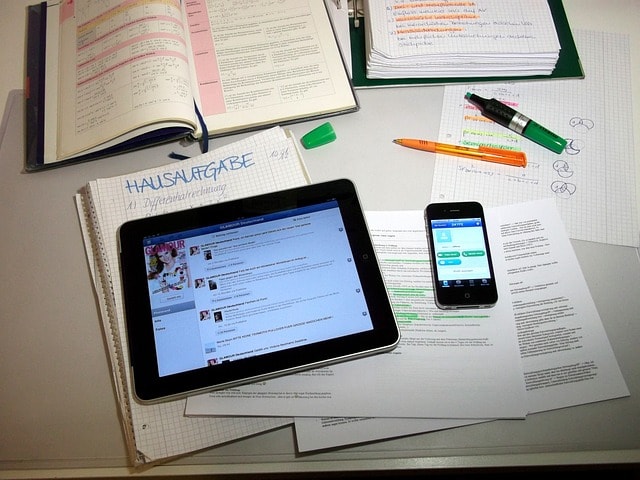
(592, 181)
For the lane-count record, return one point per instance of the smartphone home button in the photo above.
(467, 295)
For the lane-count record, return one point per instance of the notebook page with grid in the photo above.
(593, 181)
(273, 162)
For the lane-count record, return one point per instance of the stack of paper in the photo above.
(485, 38)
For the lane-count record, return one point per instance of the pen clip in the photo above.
(508, 157)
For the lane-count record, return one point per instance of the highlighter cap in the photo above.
(320, 135)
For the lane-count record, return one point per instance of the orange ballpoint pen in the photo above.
(487, 154)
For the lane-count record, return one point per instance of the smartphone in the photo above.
(462, 269)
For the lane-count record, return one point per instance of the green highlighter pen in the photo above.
(508, 117)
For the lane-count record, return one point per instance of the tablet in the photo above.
(249, 289)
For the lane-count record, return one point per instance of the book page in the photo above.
(123, 66)
(261, 62)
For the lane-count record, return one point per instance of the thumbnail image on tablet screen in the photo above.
(242, 290)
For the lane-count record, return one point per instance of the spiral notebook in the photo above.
(155, 433)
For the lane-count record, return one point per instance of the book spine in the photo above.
(34, 85)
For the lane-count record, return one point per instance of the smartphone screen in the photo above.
(460, 256)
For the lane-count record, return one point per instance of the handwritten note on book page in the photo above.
(459, 38)
(592, 181)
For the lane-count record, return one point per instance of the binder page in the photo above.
(593, 181)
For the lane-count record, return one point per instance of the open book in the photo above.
(155, 433)
(108, 76)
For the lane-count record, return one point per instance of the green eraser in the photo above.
(319, 136)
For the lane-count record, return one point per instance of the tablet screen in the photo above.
(248, 289)
(256, 285)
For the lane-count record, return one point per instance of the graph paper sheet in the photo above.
(593, 181)
(267, 161)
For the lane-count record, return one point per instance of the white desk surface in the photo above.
(58, 414)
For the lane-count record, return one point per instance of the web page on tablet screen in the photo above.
(253, 286)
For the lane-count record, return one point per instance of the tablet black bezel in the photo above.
(149, 386)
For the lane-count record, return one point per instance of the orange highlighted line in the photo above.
(428, 29)
(434, 4)
(452, 16)
(477, 118)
